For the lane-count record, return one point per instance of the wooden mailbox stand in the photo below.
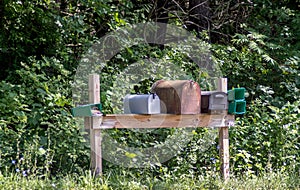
(98, 123)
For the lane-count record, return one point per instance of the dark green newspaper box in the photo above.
(87, 110)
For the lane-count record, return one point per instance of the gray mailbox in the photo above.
(141, 104)
(218, 101)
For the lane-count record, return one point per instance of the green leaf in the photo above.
(274, 109)
(42, 151)
(130, 155)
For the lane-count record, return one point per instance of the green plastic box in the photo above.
(87, 110)
(237, 107)
(236, 94)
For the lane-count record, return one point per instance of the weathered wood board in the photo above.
(164, 121)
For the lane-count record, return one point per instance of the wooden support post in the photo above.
(222, 85)
(224, 151)
(224, 137)
(95, 140)
(93, 124)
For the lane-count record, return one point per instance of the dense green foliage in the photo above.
(35, 121)
(41, 43)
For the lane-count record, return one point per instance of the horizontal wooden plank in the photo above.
(165, 121)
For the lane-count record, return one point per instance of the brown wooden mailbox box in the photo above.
(178, 96)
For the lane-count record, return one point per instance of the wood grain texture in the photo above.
(224, 151)
(164, 121)
(93, 124)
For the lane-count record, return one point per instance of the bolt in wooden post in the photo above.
(93, 124)
(224, 137)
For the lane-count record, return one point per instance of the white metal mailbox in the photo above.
(141, 104)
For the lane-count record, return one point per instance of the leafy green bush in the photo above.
(38, 134)
(19, 39)
(266, 139)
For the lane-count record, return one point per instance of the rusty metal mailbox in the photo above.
(178, 96)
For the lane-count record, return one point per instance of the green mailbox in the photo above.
(236, 99)
(87, 110)
(237, 107)
(236, 94)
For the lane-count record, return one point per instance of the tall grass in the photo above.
(125, 180)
